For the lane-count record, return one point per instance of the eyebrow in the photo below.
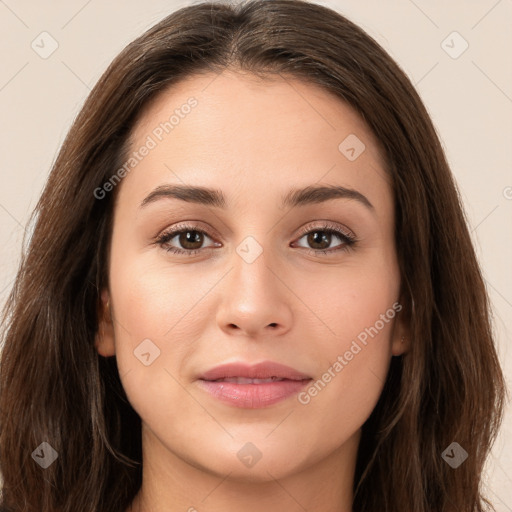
(313, 194)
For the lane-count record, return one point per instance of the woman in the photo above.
(250, 285)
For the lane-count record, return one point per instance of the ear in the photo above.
(401, 338)
(104, 341)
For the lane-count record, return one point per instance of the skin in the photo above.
(254, 140)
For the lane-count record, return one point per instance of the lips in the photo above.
(253, 374)
(252, 386)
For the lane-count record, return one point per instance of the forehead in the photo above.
(237, 131)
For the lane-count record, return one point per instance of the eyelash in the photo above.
(349, 240)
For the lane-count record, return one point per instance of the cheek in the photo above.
(161, 313)
(343, 302)
(158, 302)
(354, 314)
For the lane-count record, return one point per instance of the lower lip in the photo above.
(253, 396)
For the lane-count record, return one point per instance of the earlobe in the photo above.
(104, 340)
(401, 345)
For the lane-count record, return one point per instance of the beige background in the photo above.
(469, 98)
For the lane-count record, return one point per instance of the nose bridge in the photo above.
(254, 299)
(251, 270)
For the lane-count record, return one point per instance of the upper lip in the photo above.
(263, 370)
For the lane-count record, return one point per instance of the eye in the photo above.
(189, 237)
(321, 237)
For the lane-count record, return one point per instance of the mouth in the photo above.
(252, 387)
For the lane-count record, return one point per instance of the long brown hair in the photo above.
(55, 388)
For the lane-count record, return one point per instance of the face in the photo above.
(258, 272)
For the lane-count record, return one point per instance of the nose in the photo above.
(255, 301)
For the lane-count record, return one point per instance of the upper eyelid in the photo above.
(328, 226)
(185, 226)
(196, 226)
